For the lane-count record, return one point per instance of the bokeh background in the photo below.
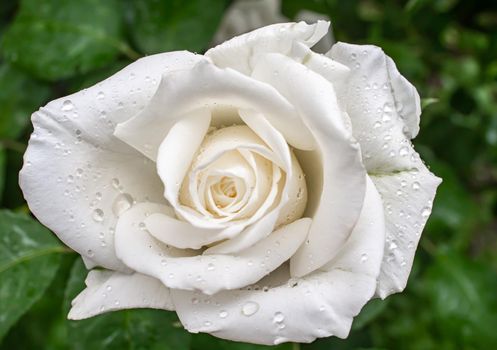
(447, 48)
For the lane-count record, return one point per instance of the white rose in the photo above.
(262, 191)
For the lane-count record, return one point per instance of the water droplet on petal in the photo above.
(250, 308)
(425, 212)
(415, 186)
(223, 314)
(100, 95)
(123, 202)
(67, 106)
(98, 215)
(364, 258)
(278, 317)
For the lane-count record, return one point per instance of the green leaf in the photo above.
(463, 296)
(3, 160)
(60, 38)
(20, 96)
(127, 329)
(158, 26)
(28, 263)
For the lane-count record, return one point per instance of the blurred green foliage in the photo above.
(447, 48)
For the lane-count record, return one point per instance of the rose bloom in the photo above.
(262, 191)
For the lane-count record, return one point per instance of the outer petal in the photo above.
(111, 291)
(239, 53)
(318, 305)
(77, 175)
(208, 273)
(407, 198)
(380, 99)
(383, 107)
(343, 174)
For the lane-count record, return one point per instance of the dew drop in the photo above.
(377, 125)
(223, 314)
(278, 317)
(70, 179)
(67, 106)
(98, 215)
(426, 212)
(415, 186)
(207, 323)
(109, 288)
(403, 151)
(100, 95)
(123, 202)
(392, 246)
(364, 258)
(90, 253)
(79, 172)
(250, 308)
(210, 267)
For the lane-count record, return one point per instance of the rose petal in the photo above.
(382, 103)
(239, 52)
(179, 93)
(175, 155)
(77, 175)
(318, 305)
(407, 198)
(343, 174)
(208, 273)
(111, 291)
(180, 234)
(407, 187)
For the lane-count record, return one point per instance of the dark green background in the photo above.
(447, 48)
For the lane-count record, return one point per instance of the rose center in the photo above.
(234, 176)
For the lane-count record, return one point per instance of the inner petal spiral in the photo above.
(235, 174)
